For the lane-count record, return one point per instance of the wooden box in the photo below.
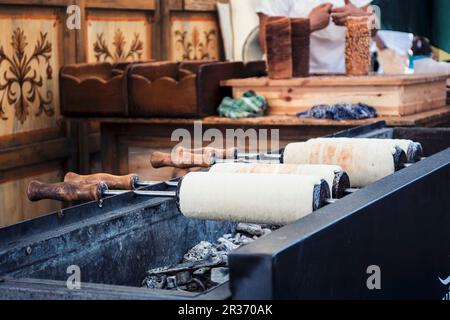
(188, 89)
(93, 90)
(391, 95)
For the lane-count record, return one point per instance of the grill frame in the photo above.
(293, 262)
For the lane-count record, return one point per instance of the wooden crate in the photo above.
(391, 95)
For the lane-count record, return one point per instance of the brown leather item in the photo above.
(65, 191)
(279, 47)
(181, 160)
(301, 31)
(127, 182)
(93, 90)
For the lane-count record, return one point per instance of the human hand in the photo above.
(320, 16)
(340, 14)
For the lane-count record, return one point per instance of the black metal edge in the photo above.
(261, 256)
(357, 131)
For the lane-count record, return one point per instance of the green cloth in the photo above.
(427, 18)
(249, 106)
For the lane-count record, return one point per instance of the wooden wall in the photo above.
(35, 142)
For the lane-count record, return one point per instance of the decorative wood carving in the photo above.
(119, 51)
(21, 84)
(118, 39)
(194, 39)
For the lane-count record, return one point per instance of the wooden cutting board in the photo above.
(391, 95)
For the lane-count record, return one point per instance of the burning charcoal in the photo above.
(204, 250)
(183, 278)
(205, 265)
(155, 282)
(196, 285)
(246, 241)
(171, 282)
(227, 245)
(220, 275)
(200, 272)
(252, 229)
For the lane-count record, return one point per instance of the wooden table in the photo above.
(127, 143)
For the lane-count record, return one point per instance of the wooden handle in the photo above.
(113, 182)
(181, 159)
(65, 191)
(231, 153)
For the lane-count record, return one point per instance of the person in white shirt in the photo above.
(327, 39)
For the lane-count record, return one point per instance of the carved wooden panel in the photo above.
(14, 206)
(118, 38)
(29, 64)
(194, 38)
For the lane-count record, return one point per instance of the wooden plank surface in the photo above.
(338, 80)
(391, 95)
(120, 4)
(421, 119)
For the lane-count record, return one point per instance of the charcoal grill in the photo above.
(399, 224)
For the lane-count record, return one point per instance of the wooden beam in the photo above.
(33, 153)
(58, 3)
(200, 5)
(122, 4)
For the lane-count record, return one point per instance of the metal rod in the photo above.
(247, 161)
(154, 183)
(259, 156)
(159, 194)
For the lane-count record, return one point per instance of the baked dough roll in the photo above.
(336, 178)
(413, 150)
(357, 46)
(365, 163)
(252, 198)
